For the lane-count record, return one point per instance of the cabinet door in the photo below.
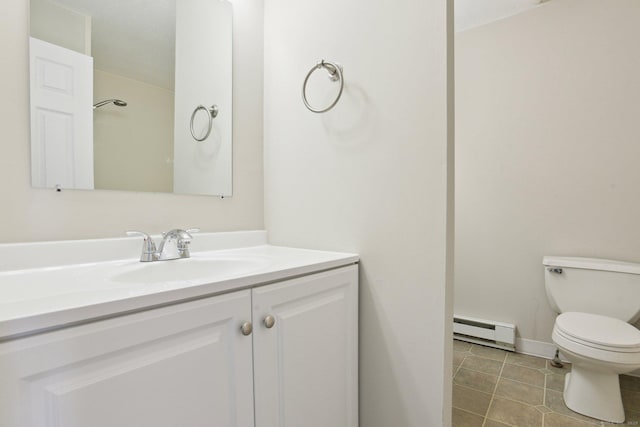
(305, 365)
(182, 365)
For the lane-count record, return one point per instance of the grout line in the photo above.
(460, 365)
(469, 412)
(544, 396)
(504, 361)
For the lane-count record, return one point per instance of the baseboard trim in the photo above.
(545, 350)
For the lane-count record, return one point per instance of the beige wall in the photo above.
(132, 145)
(370, 177)
(42, 214)
(547, 149)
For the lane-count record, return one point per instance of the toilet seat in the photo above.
(598, 332)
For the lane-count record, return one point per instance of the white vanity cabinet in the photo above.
(182, 365)
(192, 363)
(306, 360)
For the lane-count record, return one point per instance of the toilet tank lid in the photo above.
(592, 264)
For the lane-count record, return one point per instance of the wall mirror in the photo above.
(132, 95)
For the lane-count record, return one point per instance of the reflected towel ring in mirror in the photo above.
(335, 74)
(211, 113)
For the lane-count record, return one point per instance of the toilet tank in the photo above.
(591, 285)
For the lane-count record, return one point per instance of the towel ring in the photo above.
(211, 113)
(335, 74)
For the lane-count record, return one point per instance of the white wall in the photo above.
(473, 13)
(37, 214)
(547, 125)
(370, 177)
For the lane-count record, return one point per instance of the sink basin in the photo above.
(190, 269)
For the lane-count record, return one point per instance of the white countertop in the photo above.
(52, 296)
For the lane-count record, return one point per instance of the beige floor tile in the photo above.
(555, 382)
(627, 382)
(514, 413)
(543, 409)
(553, 419)
(458, 357)
(631, 399)
(466, 419)
(632, 417)
(471, 400)
(527, 361)
(524, 375)
(494, 423)
(627, 423)
(488, 352)
(521, 392)
(475, 380)
(461, 345)
(555, 402)
(519, 382)
(481, 364)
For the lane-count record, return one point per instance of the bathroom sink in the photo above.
(45, 285)
(190, 269)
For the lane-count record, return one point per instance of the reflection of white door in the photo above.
(203, 76)
(61, 117)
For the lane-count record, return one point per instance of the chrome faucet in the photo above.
(174, 245)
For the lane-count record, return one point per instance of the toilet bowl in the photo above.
(600, 348)
(598, 301)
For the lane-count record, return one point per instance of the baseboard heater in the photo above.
(485, 332)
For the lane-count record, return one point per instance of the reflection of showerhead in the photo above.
(117, 102)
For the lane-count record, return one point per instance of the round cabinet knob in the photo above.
(269, 321)
(246, 328)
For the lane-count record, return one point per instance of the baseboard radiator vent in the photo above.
(485, 332)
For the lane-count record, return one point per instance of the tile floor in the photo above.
(495, 388)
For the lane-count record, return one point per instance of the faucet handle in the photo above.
(180, 233)
(139, 233)
(148, 246)
(177, 234)
(184, 241)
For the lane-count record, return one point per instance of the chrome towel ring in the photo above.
(335, 74)
(211, 113)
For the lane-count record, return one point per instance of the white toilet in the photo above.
(597, 299)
